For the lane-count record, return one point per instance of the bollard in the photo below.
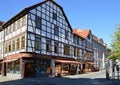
(117, 68)
(107, 71)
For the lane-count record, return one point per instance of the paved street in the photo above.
(95, 78)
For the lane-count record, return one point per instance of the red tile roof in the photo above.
(82, 33)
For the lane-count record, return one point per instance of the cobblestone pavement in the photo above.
(95, 78)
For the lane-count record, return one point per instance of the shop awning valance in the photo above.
(68, 62)
(90, 63)
(10, 60)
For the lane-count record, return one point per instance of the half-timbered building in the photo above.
(40, 41)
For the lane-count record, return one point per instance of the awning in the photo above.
(1, 58)
(68, 62)
(11, 60)
(90, 63)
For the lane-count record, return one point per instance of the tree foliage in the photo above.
(115, 45)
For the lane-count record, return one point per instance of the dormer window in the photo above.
(89, 38)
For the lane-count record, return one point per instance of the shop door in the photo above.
(4, 69)
(41, 69)
(29, 70)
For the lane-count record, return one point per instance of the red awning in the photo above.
(68, 62)
(90, 63)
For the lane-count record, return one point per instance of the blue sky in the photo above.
(101, 16)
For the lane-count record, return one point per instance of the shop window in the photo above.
(73, 67)
(13, 67)
(9, 68)
(66, 67)
(16, 66)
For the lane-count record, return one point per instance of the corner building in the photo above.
(40, 41)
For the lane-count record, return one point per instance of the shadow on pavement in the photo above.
(61, 81)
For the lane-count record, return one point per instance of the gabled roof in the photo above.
(77, 33)
(99, 40)
(25, 11)
(82, 33)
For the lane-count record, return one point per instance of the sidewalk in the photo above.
(5, 78)
(84, 74)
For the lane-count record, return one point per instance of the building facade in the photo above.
(40, 41)
(100, 52)
(1, 44)
(87, 50)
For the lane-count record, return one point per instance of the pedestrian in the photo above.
(56, 73)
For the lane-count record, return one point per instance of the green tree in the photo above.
(115, 45)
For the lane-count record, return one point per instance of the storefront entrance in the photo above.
(29, 70)
(36, 69)
(41, 69)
